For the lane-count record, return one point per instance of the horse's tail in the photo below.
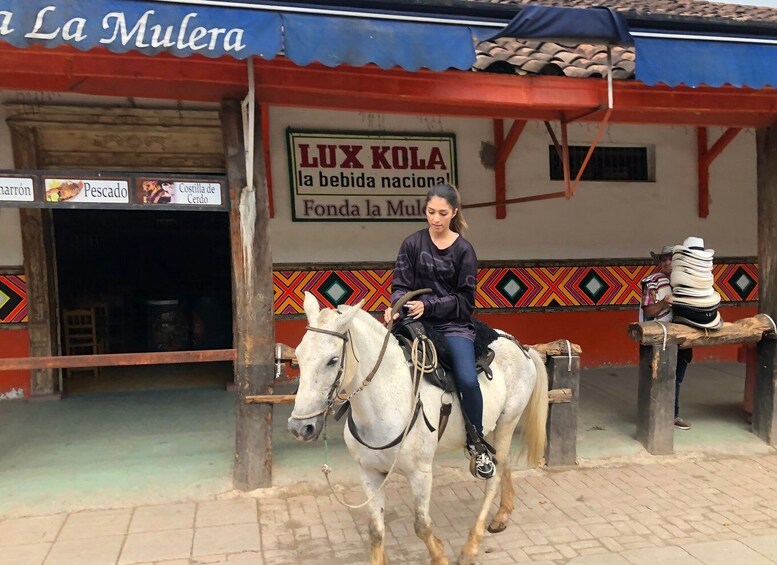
(535, 414)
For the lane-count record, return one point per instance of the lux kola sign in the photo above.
(366, 177)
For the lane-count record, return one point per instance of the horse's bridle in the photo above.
(332, 395)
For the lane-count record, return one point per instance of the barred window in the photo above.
(623, 164)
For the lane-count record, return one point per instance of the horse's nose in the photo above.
(304, 430)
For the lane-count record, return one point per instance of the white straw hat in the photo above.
(694, 246)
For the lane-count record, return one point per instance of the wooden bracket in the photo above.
(704, 158)
(504, 147)
(569, 185)
(264, 113)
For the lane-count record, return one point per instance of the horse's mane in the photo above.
(370, 320)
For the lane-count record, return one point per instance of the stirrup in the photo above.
(481, 465)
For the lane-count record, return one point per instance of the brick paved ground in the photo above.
(669, 510)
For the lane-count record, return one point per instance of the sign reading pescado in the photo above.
(92, 191)
(147, 27)
(367, 177)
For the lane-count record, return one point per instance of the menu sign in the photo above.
(178, 192)
(94, 191)
(17, 189)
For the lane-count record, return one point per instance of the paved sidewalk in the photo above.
(667, 510)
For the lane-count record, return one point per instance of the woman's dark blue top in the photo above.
(451, 273)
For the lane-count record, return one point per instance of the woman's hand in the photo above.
(415, 309)
(387, 315)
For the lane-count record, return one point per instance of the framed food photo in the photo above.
(193, 193)
(86, 191)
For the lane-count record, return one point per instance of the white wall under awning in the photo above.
(603, 220)
(10, 225)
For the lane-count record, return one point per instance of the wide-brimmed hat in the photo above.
(695, 313)
(694, 247)
(682, 278)
(684, 258)
(698, 301)
(665, 250)
(690, 292)
(716, 323)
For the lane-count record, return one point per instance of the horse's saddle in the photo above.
(408, 330)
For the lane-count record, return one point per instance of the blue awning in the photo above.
(597, 23)
(697, 62)
(215, 31)
(411, 45)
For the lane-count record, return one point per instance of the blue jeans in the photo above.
(463, 357)
(684, 357)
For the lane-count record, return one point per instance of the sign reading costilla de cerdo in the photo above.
(147, 27)
(366, 177)
(86, 191)
(179, 192)
(17, 189)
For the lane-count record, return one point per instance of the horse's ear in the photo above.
(347, 314)
(311, 307)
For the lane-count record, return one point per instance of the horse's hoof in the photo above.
(497, 527)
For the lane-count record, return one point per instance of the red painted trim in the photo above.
(704, 158)
(14, 343)
(704, 172)
(280, 82)
(500, 175)
(264, 112)
(565, 160)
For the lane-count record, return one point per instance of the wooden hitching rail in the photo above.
(116, 359)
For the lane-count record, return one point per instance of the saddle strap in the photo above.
(445, 412)
(355, 432)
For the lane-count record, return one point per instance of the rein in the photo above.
(332, 397)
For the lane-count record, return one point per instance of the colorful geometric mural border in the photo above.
(13, 299)
(531, 287)
(500, 287)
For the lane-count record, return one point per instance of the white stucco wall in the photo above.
(10, 226)
(603, 220)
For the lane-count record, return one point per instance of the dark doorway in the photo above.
(153, 280)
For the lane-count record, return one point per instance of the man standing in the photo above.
(657, 306)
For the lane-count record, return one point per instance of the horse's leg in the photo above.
(371, 481)
(503, 435)
(506, 503)
(421, 483)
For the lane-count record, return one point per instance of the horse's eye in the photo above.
(332, 362)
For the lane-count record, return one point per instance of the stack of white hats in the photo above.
(695, 300)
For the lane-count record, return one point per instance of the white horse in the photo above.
(344, 345)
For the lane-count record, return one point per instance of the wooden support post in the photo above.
(40, 272)
(765, 405)
(561, 427)
(655, 398)
(253, 303)
(500, 174)
(704, 158)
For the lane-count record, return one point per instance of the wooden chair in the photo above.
(81, 337)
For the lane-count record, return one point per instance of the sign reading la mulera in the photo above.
(372, 177)
(148, 27)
